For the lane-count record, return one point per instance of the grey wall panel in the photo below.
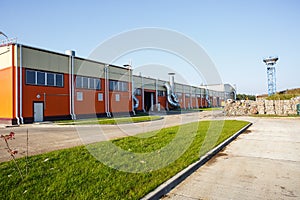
(44, 60)
(118, 73)
(88, 68)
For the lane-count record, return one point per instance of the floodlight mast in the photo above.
(271, 74)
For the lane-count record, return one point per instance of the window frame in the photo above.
(84, 82)
(44, 75)
(120, 86)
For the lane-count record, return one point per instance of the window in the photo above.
(78, 82)
(50, 79)
(85, 82)
(124, 86)
(91, 83)
(112, 85)
(79, 96)
(100, 97)
(117, 97)
(160, 93)
(118, 86)
(138, 92)
(41, 78)
(59, 80)
(30, 77)
(88, 83)
(97, 84)
(44, 78)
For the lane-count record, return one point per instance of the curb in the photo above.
(179, 177)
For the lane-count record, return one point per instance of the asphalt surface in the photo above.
(47, 137)
(262, 163)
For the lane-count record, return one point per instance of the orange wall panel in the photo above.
(162, 101)
(124, 105)
(56, 99)
(6, 93)
(90, 103)
(193, 102)
(187, 102)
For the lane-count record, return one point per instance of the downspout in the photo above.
(71, 55)
(143, 95)
(73, 90)
(21, 84)
(106, 91)
(156, 93)
(108, 95)
(70, 87)
(184, 97)
(196, 96)
(191, 99)
(201, 98)
(197, 103)
(132, 92)
(207, 98)
(16, 83)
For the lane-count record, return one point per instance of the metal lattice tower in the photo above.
(271, 73)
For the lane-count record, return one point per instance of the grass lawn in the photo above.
(75, 174)
(121, 120)
(210, 109)
(197, 110)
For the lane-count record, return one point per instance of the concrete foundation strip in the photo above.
(179, 177)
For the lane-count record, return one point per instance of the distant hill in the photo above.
(285, 94)
(291, 91)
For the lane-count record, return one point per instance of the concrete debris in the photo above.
(268, 107)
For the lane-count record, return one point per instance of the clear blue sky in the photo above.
(237, 35)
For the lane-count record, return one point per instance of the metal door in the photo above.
(38, 109)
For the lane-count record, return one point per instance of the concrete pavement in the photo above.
(263, 163)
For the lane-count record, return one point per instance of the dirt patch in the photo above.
(215, 158)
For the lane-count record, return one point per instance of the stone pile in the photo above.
(240, 108)
(268, 107)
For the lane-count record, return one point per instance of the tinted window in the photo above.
(85, 81)
(125, 86)
(112, 85)
(30, 77)
(92, 83)
(50, 79)
(138, 92)
(40, 78)
(59, 80)
(78, 82)
(98, 86)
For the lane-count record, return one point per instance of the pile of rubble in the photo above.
(268, 107)
(233, 108)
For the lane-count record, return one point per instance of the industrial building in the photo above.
(41, 85)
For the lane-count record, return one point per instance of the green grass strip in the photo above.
(210, 109)
(75, 174)
(112, 121)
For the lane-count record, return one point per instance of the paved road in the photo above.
(49, 137)
(263, 163)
